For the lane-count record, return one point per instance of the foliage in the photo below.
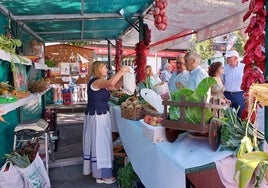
(240, 43)
(50, 63)
(9, 45)
(245, 139)
(204, 48)
(21, 161)
(233, 130)
(127, 177)
(193, 114)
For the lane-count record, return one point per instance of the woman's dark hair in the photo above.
(213, 68)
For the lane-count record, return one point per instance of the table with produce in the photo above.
(143, 119)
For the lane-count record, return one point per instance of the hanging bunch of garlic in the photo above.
(159, 13)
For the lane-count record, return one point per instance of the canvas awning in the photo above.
(79, 20)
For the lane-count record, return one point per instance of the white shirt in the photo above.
(178, 77)
(165, 76)
(232, 77)
(195, 77)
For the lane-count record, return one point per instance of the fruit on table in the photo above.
(153, 120)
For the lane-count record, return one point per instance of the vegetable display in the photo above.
(233, 130)
(254, 56)
(159, 13)
(193, 114)
(140, 62)
(118, 54)
(24, 156)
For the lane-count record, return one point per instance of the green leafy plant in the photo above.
(127, 177)
(234, 129)
(50, 63)
(193, 114)
(244, 139)
(251, 162)
(204, 48)
(9, 45)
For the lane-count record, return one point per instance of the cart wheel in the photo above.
(214, 134)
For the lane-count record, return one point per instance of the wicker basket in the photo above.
(153, 133)
(149, 110)
(132, 113)
(132, 110)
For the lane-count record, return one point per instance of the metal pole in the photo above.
(141, 29)
(109, 60)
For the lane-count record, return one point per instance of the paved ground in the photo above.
(66, 170)
(71, 177)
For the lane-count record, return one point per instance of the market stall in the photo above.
(165, 163)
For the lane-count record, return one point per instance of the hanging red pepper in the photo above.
(140, 62)
(118, 54)
(254, 56)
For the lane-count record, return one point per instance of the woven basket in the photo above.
(132, 113)
(149, 110)
(153, 133)
(131, 110)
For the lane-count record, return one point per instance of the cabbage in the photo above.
(193, 114)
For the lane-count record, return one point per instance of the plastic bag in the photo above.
(10, 176)
(35, 175)
(129, 82)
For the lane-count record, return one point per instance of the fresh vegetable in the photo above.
(140, 62)
(21, 161)
(9, 45)
(193, 114)
(233, 130)
(254, 56)
(159, 13)
(123, 98)
(118, 54)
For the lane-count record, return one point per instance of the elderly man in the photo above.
(232, 78)
(197, 74)
(179, 78)
(166, 73)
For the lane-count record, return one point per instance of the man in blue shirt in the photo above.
(197, 74)
(166, 73)
(179, 78)
(232, 78)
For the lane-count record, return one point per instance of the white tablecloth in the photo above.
(163, 165)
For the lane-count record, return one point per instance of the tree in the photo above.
(204, 48)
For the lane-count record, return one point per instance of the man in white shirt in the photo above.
(166, 73)
(197, 74)
(232, 78)
(179, 78)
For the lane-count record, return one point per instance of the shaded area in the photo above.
(72, 177)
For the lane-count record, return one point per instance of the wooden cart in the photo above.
(211, 129)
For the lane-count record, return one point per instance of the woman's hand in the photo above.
(125, 69)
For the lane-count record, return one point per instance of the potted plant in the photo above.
(126, 177)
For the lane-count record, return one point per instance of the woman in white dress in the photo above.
(97, 134)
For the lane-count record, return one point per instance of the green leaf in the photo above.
(203, 87)
(193, 115)
(246, 164)
(246, 146)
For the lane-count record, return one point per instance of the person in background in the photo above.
(232, 79)
(151, 78)
(97, 134)
(166, 73)
(179, 78)
(197, 74)
(216, 71)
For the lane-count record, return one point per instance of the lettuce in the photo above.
(193, 114)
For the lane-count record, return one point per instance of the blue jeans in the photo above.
(237, 100)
